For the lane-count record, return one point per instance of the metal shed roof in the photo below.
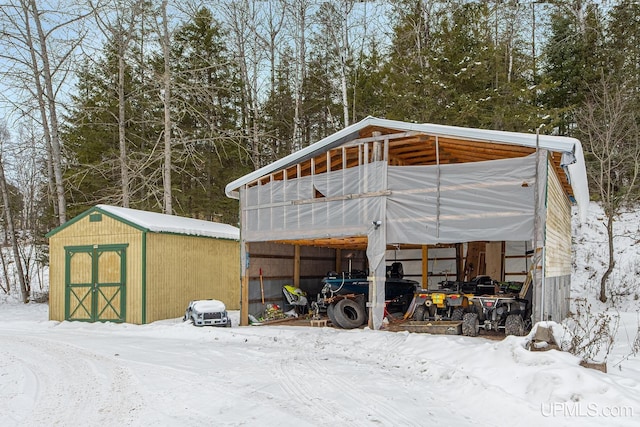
(571, 149)
(162, 223)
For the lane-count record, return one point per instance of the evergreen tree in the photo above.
(322, 110)
(91, 133)
(572, 60)
(623, 47)
(464, 64)
(279, 111)
(368, 80)
(208, 148)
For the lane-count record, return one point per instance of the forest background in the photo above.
(158, 104)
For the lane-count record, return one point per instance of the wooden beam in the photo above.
(425, 266)
(244, 292)
(296, 266)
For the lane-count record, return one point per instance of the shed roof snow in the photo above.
(162, 223)
(575, 168)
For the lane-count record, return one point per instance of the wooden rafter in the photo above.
(408, 149)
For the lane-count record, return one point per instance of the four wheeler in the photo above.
(480, 303)
(440, 305)
(506, 312)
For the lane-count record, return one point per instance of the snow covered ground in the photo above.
(171, 373)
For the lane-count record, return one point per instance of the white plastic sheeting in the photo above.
(493, 200)
(335, 204)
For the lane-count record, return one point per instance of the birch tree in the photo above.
(39, 66)
(166, 101)
(299, 11)
(118, 24)
(8, 214)
(249, 46)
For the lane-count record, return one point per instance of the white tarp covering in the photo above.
(491, 200)
(335, 204)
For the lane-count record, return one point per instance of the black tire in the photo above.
(349, 314)
(433, 310)
(458, 313)
(331, 314)
(514, 325)
(418, 314)
(470, 325)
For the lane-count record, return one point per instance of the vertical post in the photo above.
(285, 211)
(460, 262)
(425, 267)
(338, 260)
(296, 266)
(386, 150)
(270, 203)
(342, 191)
(299, 196)
(244, 288)
(438, 189)
(328, 209)
(313, 192)
(377, 147)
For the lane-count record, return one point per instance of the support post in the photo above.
(244, 287)
(296, 266)
(425, 267)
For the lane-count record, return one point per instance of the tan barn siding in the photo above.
(183, 268)
(82, 233)
(558, 229)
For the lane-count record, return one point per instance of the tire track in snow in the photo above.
(49, 375)
(307, 373)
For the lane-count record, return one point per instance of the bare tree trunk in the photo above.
(343, 62)
(6, 274)
(300, 13)
(40, 95)
(166, 98)
(24, 286)
(122, 137)
(242, 19)
(611, 137)
(611, 262)
(56, 151)
(120, 31)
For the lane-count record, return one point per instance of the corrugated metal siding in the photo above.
(557, 298)
(183, 268)
(558, 229)
(85, 232)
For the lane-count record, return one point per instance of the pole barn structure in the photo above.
(383, 185)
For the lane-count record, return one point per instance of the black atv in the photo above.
(505, 312)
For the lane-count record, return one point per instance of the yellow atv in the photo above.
(440, 305)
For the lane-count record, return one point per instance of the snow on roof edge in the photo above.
(577, 171)
(163, 223)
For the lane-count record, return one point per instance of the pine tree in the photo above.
(572, 60)
(208, 148)
(279, 111)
